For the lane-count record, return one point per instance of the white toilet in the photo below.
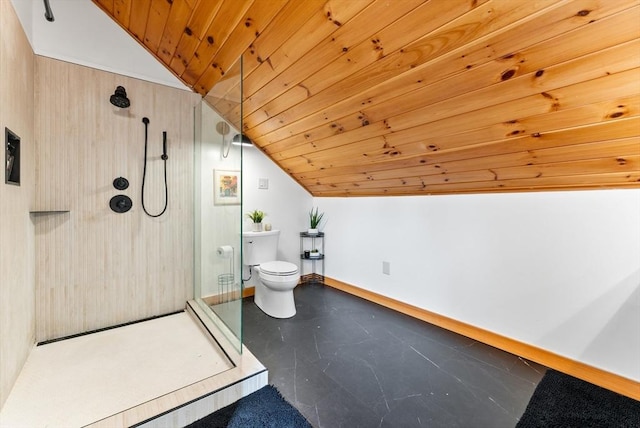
(274, 290)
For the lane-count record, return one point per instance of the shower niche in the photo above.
(12, 157)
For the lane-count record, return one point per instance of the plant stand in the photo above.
(313, 266)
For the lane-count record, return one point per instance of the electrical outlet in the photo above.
(386, 268)
(263, 183)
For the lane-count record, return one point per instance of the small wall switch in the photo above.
(263, 183)
(386, 268)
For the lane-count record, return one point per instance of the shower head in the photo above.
(119, 98)
(223, 128)
(48, 14)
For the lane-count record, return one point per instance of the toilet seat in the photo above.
(278, 268)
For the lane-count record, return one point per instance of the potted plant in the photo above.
(314, 254)
(256, 217)
(314, 221)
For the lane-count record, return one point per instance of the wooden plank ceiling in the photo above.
(412, 97)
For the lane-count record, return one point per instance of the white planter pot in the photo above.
(312, 231)
(257, 227)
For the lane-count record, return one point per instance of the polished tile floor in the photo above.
(346, 362)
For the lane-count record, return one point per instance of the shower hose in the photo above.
(145, 120)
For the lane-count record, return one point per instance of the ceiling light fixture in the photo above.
(243, 140)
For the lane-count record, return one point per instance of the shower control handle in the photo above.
(121, 183)
(120, 203)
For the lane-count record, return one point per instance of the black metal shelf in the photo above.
(312, 235)
(320, 257)
(316, 242)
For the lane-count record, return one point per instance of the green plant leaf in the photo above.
(315, 218)
(256, 216)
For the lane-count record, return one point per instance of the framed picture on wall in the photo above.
(226, 187)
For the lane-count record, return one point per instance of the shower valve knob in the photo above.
(120, 203)
(120, 183)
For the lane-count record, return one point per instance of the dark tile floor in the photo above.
(346, 362)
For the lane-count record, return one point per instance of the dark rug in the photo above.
(564, 401)
(264, 408)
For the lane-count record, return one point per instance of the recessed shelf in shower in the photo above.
(12, 157)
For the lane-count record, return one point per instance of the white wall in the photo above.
(219, 224)
(83, 34)
(285, 202)
(558, 270)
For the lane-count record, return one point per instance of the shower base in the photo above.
(169, 371)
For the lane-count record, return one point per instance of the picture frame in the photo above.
(226, 187)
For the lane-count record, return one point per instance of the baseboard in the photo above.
(574, 368)
(214, 299)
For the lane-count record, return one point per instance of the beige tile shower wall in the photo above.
(96, 268)
(17, 309)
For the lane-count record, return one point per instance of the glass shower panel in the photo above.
(218, 184)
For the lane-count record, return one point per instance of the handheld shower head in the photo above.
(164, 146)
(119, 98)
(223, 129)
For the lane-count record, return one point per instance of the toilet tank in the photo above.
(259, 247)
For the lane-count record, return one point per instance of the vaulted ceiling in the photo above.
(412, 97)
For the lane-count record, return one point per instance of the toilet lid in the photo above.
(278, 268)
